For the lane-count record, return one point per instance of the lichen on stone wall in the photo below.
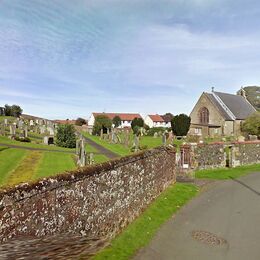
(96, 201)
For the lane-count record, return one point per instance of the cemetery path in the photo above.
(101, 149)
(37, 149)
(221, 223)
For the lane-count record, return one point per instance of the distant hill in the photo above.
(253, 95)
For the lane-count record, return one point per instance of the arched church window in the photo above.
(204, 115)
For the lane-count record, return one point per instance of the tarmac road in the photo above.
(221, 223)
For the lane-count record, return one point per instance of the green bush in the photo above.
(137, 122)
(66, 136)
(251, 126)
(181, 125)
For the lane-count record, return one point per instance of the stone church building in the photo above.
(220, 114)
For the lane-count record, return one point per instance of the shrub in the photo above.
(66, 136)
(181, 125)
(137, 122)
(13, 110)
(251, 126)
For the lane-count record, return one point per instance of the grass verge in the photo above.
(54, 163)
(227, 173)
(139, 233)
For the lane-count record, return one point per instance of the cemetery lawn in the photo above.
(227, 173)
(54, 163)
(5, 140)
(139, 233)
(9, 160)
(116, 148)
(146, 142)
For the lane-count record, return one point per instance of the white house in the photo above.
(156, 121)
(126, 118)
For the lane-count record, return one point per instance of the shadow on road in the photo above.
(245, 185)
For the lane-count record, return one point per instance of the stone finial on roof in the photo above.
(242, 92)
(212, 89)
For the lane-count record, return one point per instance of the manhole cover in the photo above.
(208, 238)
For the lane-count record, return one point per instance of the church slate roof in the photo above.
(219, 107)
(237, 104)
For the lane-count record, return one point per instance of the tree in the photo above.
(13, 110)
(66, 136)
(80, 121)
(116, 121)
(16, 110)
(181, 124)
(252, 124)
(8, 110)
(168, 117)
(101, 122)
(137, 122)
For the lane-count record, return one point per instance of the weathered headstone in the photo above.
(12, 130)
(136, 143)
(82, 160)
(101, 134)
(5, 121)
(2, 129)
(155, 135)
(31, 123)
(164, 139)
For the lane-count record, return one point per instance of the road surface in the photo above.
(221, 223)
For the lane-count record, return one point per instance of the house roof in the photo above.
(237, 104)
(66, 122)
(123, 116)
(231, 106)
(156, 118)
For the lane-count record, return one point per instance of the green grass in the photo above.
(5, 140)
(99, 158)
(54, 163)
(120, 149)
(142, 230)
(9, 160)
(116, 148)
(227, 173)
(10, 118)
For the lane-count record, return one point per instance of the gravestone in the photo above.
(25, 131)
(164, 139)
(50, 129)
(155, 135)
(31, 123)
(42, 129)
(136, 143)
(252, 137)
(102, 134)
(127, 137)
(2, 129)
(12, 130)
(170, 137)
(6, 122)
(82, 158)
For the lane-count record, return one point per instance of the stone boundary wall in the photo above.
(97, 201)
(208, 156)
(217, 155)
(244, 153)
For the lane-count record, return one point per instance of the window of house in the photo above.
(204, 115)
(197, 131)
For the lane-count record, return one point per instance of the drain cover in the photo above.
(208, 238)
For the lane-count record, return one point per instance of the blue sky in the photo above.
(64, 59)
